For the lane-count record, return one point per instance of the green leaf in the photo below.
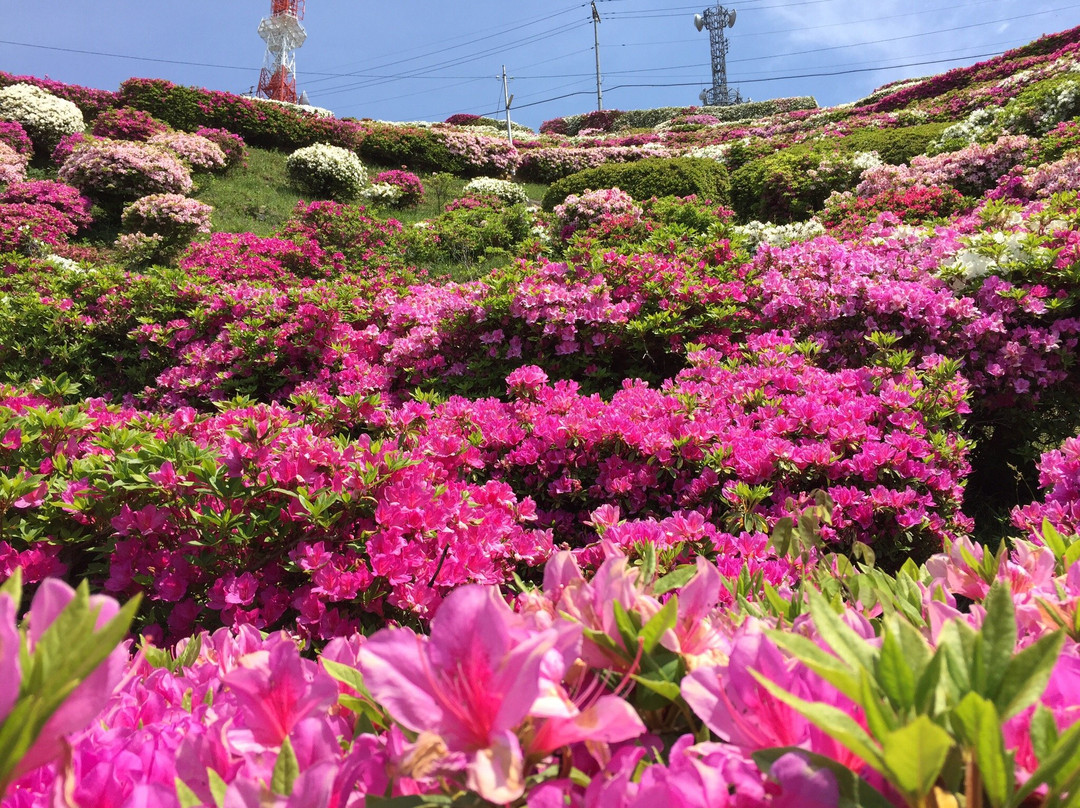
(1052, 539)
(669, 690)
(926, 689)
(839, 636)
(658, 624)
(411, 801)
(286, 770)
(346, 674)
(958, 642)
(914, 756)
(854, 791)
(999, 639)
(832, 721)
(187, 797)
(1027, 674)
(190, 653)
(894, 671)
(828, 667)
(677, 578)
(1044, 731)
(982, 732)
(217, 787)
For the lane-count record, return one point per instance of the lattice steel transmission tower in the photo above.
(716, 19)
(283, 34)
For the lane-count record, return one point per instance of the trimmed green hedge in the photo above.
(789, 185)
(894, 146)
(655, 176)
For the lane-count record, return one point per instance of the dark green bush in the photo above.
(655, 176)
(894, 146)
(791, 184)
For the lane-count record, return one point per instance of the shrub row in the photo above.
(655, 176)
(607, 120)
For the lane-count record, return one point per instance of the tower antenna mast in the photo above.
(716, 19)
(283, 34)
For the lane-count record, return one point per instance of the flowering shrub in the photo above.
(66, 146)
(26, 226)
(505, 190)
(45, 117)
(14, 137)
(177, 219)
(12, 165)
(64, 198)
(115, 171)
(1059, 474)
(91, 101)
(848, 214)
(327, 172)
(409, 190)
(201, 153)
(546, 165)
(231, 145)
(125, 123)
(480, 154)
(577, 212)
(971, 170)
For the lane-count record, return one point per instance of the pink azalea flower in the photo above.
(472, 682)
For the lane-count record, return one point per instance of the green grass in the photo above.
(256, 198)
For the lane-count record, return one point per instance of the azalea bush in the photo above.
(396, 188)
(14, 137)
(231, 145)
(198, 152)
(125, 123)
(112, 172)
(174, 218)
(44, 117)
(12, 165)
(327, 172)
(510, 192)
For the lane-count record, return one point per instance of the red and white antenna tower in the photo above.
(283, 34)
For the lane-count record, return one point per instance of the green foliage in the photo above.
(789, 185)
(465, 235)
(80, 323)
(68, 651)
(933, 715)
(894, 146)
(655, 176)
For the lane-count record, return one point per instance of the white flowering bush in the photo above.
(757, 233)
(46, 118)
(978, 127)
(327, 172)
(199, 152)
(382, 193)
(505, 190)
(112, 172)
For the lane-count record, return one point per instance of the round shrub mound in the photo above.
(326, 172)
(505, 190)
(12, 165)
(654, 176)
(172, 216)
(201, 153)
(112, 172)
(45, 117)
(125, 123)
(230, 143)
(12, 134)
(396, 188)
(66, 199)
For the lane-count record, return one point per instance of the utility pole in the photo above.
(596, 47)
(509, 100)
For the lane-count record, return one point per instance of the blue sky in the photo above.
(423, 60)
